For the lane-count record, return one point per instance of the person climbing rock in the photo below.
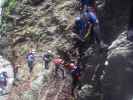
(75, 72)
(79, 27)
(47, 57)
(30, 60)
(59, 66)
(88, 3)
(94, 28)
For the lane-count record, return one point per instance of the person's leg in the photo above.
(30, 65)
(31, 69)
(73, 86)
(56, 69)
(63, 72)
(46, 65)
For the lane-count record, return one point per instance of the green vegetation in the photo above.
(9, 6)
(7, 9)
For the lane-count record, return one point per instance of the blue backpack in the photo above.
(93, 17)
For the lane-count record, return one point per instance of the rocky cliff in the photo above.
(114, 18)
(40, 25)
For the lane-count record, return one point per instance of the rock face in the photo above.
(117, 81)
(35, 2)
(114, 17)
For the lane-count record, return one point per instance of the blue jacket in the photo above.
(92, 16)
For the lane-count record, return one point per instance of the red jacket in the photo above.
(58, 61)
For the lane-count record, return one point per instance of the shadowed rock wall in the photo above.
(114, 18)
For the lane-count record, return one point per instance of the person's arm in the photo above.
(90, 27)
(89, 30)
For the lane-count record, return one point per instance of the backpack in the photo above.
(30, 57)
(93, 17)
(76, 72)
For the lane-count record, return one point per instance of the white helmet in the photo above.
(33, 51)
(49, 51)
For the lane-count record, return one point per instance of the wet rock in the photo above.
(86, 93)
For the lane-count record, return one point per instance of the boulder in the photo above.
(118, 74)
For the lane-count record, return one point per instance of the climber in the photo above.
(88, 3)
(93, 21)
(59, 66)
(79, 27)
(47, 58)
(75, 72)
(3, 80)
(30, 60)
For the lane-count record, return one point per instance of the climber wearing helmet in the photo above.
(47, 57)
(30, 60)
(59, 66)
(75, 72)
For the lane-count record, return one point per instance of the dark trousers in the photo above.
(30, 65)
(46, 64)
(59, 68)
